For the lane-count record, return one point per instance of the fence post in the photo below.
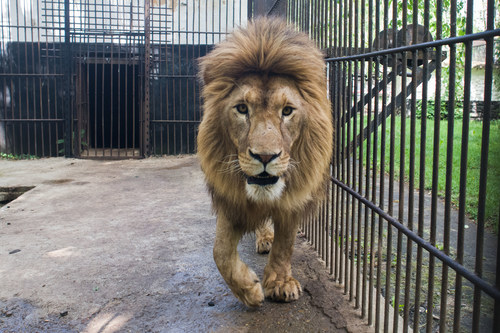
(68, 137)
(147, 66)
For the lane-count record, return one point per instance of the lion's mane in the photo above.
(267, 46)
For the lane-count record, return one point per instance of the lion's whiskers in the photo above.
(230, 165)
(293, 164)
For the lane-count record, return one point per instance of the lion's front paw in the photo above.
(246, 286)
(250, 296)
(282, 290)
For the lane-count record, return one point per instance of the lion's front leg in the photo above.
(279, 285)
(242, 281)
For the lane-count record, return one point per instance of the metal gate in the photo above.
(107, 55)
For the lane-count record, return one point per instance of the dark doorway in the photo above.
(112, 128)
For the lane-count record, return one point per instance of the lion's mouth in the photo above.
(262, 179)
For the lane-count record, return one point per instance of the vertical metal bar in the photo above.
(49, 104)
(463, 165)
(342, 170)
(332, 172)
(383, 138)
(18, 148)
(357, 181)
(361, 170)
(338, 202)
(411, 186)
(110, 96)
(67, 96)
(24, 94)
(449, 163)
(485, 140)
(147, 72)
(164, 115)
(95, 102)
(402, 154)
(325, 230)
(118, 115)
(336, 38)
(103, 85)
(128, 56)
(345, 162)
(423, 134)
(435, 170)
(349, 159)
(41, 151)
(374, 174)
(126, 111)
(368, 213)
(249, 9)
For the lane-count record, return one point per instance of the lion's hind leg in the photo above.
(264, 236)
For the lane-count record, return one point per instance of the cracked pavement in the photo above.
(126, 246)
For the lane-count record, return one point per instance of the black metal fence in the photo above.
(77, 76)
(411, 222)
(32, 85)
(193, 28)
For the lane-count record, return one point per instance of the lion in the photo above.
(265, 146)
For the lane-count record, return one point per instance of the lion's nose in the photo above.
(264, 158)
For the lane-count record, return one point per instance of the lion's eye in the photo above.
(242, 108)
(287, 110)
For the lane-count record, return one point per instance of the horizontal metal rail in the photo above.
(420, 46)
(30, 75)
(29, 120)
(476, 280)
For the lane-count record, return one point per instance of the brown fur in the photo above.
(265, 63)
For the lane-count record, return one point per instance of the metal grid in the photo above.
(193, 27)
(31, 79)
(402, 253)
(78, 75)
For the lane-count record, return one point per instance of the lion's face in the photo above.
(266, 136)
(265, 117)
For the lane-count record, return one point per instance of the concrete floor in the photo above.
(107, 246)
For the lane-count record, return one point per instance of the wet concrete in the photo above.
(105, 246)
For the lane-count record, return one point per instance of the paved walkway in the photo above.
(105, 246)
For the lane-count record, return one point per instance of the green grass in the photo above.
(473, 162)
(5, 156)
